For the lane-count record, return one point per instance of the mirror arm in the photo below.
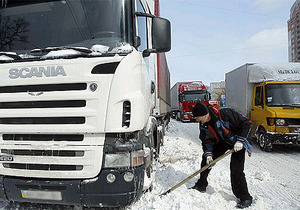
(147, 52)
(142, 14)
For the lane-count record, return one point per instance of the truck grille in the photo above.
(52, 130)
(51, 160)
(43, 120)
(43, 88)
(61, 153)
(294, 121)
(42, 137)
(43, 167)
(42, 104)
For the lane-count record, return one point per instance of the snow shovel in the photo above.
(198, 172)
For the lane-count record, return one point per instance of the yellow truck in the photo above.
(269, 94)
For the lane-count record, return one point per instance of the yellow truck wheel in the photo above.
(264, 143)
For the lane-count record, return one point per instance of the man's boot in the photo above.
(199, 188)
(244, 204)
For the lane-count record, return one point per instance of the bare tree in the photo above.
(12, 31)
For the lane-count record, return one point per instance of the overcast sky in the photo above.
(210, 38)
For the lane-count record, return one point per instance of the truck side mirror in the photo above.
(161, 35)
(208, 96)
(180, 97)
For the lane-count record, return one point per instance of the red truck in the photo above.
(184, 96)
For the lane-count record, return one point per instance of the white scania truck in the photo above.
(84, 99)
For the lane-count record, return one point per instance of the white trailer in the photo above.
(175, 97)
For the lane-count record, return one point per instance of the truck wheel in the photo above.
(173, 115)
(263, 141)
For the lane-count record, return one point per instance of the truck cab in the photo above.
(81, 109)
(184, 96)
(275, 113)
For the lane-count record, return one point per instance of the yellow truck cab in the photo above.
(275, 113)
(270, 95)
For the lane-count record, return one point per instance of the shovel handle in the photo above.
(198, 172)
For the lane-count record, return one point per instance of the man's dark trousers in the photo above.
(237, 176)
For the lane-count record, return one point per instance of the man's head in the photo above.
(201, 113)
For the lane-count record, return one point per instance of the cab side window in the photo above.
(142, 27)
(259, 96)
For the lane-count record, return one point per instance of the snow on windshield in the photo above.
(100, 48)
(122, 48)
(97, 50)
(5, 58)
(61, 53)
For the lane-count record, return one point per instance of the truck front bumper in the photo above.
(97, 192)
(284, 138)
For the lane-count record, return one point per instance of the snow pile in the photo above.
(272, 178)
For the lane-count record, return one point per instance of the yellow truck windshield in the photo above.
(283, 94)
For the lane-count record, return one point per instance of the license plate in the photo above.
(41, 195)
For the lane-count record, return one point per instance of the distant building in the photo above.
(294, 32)
(217, 91)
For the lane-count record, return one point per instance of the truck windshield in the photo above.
(195, 96)
(92, 24)
(283, 94)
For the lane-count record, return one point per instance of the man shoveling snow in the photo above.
(222, 129)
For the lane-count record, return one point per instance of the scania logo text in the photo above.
(48, 71)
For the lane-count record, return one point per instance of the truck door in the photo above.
(257, 109)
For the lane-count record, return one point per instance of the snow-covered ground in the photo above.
(273, 178)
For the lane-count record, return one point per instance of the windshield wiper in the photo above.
(70, 52)
(50, 49)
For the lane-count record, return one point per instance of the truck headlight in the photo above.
(276, 121)
(124, 160)
(118, 160)
(280, 122)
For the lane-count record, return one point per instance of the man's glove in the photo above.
(238, 146)
(209, 159)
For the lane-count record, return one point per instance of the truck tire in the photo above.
(264, 143)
